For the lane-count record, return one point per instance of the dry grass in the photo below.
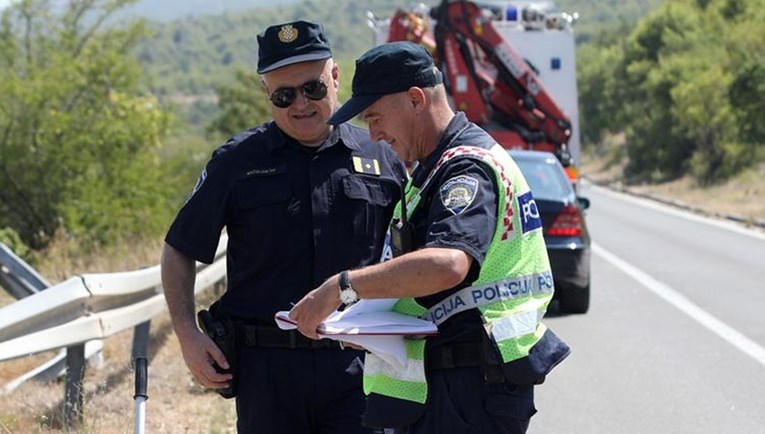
(741, 198)
(176, 404)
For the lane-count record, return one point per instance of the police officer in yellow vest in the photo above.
(468, 253)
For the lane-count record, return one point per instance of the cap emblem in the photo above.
(288, 33)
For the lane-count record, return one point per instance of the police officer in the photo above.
(469, 254)
(300, 200)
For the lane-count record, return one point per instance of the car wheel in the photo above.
(575, 300)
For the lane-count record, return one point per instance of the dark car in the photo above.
(565, 229)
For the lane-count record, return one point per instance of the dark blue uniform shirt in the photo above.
(294, 215)
(469, 228)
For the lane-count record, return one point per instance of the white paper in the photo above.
(370, 324)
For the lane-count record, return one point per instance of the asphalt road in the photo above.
(674, 341)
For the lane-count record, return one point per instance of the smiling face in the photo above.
(394, 119)
(305, 119)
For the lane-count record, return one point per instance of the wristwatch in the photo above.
(348, 295)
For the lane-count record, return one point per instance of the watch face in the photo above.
(347, 296)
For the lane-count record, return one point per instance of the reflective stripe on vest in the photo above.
(410, 383)
(489, 293)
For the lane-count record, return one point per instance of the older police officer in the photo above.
(301, 200)
(468, 253)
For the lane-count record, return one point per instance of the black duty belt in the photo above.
(267, 336)
(458, 355)
(466, 355)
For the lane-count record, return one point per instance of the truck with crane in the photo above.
(510, 66)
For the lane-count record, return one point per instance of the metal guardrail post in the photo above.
(18, 277)
(12, 285)
(141, 340)
(73, 389)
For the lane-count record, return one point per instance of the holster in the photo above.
(222, 332)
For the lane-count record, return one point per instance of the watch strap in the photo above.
(348, 295)
(344, 281)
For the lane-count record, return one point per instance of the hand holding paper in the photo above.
(315, 307)
(372, 325)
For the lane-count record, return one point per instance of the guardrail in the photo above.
(90, 307)
(18, 277)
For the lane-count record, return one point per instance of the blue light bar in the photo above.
(511, 14)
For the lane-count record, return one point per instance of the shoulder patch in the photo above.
(200, 181)
(458, 193)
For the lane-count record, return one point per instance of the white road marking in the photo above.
(724, 224)
(676, 299)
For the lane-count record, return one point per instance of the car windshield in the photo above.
(546, 179)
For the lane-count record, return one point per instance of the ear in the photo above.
(336, 75)
(417, 98)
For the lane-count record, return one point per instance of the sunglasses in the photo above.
(285, 96)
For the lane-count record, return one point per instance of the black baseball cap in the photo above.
(388, 68)
(284, 44)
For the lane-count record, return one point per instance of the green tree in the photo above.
(243, 104)
(655, 150)
(686, 85)
(79, 139)
(600, 80)
(747, 97)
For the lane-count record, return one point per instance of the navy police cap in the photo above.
(288, 43)
(388, 68)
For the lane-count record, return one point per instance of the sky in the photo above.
(4, 3)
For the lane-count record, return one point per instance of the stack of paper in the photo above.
(372, 325)
(378, 323)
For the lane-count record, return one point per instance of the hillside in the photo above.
(740, 199)
(192, 54)
(598, 15)
(167, 10)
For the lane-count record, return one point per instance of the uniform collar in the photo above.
(340, 134)
(448, 139)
